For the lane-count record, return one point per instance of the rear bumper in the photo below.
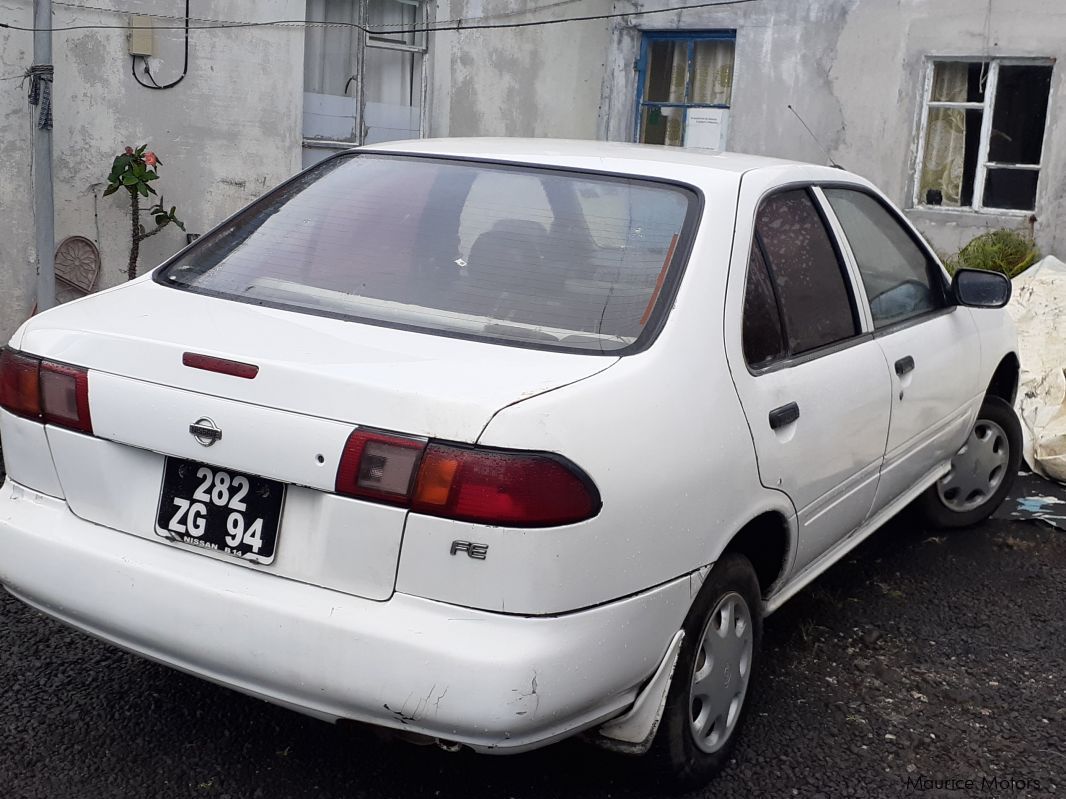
(491, 681)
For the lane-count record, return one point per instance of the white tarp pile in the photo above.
(1038, 308)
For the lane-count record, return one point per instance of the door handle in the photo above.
(904, 365)
(785, 415)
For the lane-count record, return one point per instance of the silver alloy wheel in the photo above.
(721, 673)
(977, 469)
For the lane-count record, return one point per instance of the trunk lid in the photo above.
(415, 383)
(318, 379)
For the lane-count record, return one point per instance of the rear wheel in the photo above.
(982, 472)
(711, 687)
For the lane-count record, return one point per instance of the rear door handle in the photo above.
(904, 365)
(785, 415)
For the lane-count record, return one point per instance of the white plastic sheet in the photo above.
(1038, 308)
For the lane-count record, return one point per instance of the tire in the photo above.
(981, 474)
(688, 760)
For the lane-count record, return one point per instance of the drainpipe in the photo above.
(43, 200)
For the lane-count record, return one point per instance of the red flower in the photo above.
(129, 151)
(150, 159)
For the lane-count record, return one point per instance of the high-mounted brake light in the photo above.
(223, 366)
(51, 392)
(476, 484)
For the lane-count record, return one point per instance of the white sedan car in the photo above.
(494, 442)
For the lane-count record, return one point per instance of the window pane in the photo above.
(764, 342)
(392, 88)
(1019, 114)
(388, 19)
(662, 125)
(949, 164)
(1012, 189)
(712, 72)
(329, 63)
(815, 300)
(667, 72)
(465, 249)
(899, 279)
(959, 81)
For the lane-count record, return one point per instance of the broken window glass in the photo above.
(667, 72)
(965, 151)
(1021, 112)
(1014, 189)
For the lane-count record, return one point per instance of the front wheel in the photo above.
(982, 472)
(711, 687)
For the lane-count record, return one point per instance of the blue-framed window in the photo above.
(679, 71)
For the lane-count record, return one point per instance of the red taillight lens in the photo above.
(19, 387)
(473, 484)
(513, 489)
(379, 466)
(52, 392)
(65, 396)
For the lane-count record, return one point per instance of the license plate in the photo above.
(219, 509)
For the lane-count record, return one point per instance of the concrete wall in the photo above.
(855, 72)
(228, 132)
(853, 69)
(533, 81)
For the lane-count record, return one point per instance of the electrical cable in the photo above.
(147, 70)
(453, 25)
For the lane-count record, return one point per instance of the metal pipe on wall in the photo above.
(43, 199)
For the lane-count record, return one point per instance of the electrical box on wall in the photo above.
(141, 36)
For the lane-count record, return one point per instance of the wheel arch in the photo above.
(767, 542)
(1004, 382)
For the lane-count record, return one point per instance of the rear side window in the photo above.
(764, 341)
(815, 301)
(901, 281)
(560, 260)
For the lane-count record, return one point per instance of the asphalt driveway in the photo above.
(920, 659)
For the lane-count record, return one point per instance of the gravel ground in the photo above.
(919, 658)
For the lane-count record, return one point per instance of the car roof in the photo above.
(599, 155)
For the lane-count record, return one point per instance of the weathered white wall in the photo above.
(534, 81)
(854, 70)
(227, 133)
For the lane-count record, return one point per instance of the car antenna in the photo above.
(811, 133)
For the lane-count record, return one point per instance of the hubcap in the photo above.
(977, 470)
(720, 673)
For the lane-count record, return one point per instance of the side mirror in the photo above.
(978, 288)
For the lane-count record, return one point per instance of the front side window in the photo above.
(685, 88)
(983, 131)
(816, 303)
(901, 281)
(361, 88)
(566, 261)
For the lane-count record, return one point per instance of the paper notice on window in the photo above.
(705, 128)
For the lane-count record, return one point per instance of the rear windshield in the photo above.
(515, 255)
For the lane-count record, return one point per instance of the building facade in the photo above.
(953, 107)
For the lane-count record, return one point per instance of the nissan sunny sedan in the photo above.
(495, 442)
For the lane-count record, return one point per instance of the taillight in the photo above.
(475, 484)
(379, 466)
(19, 384)
(514, 489)
(55, 393)
(65, 396)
